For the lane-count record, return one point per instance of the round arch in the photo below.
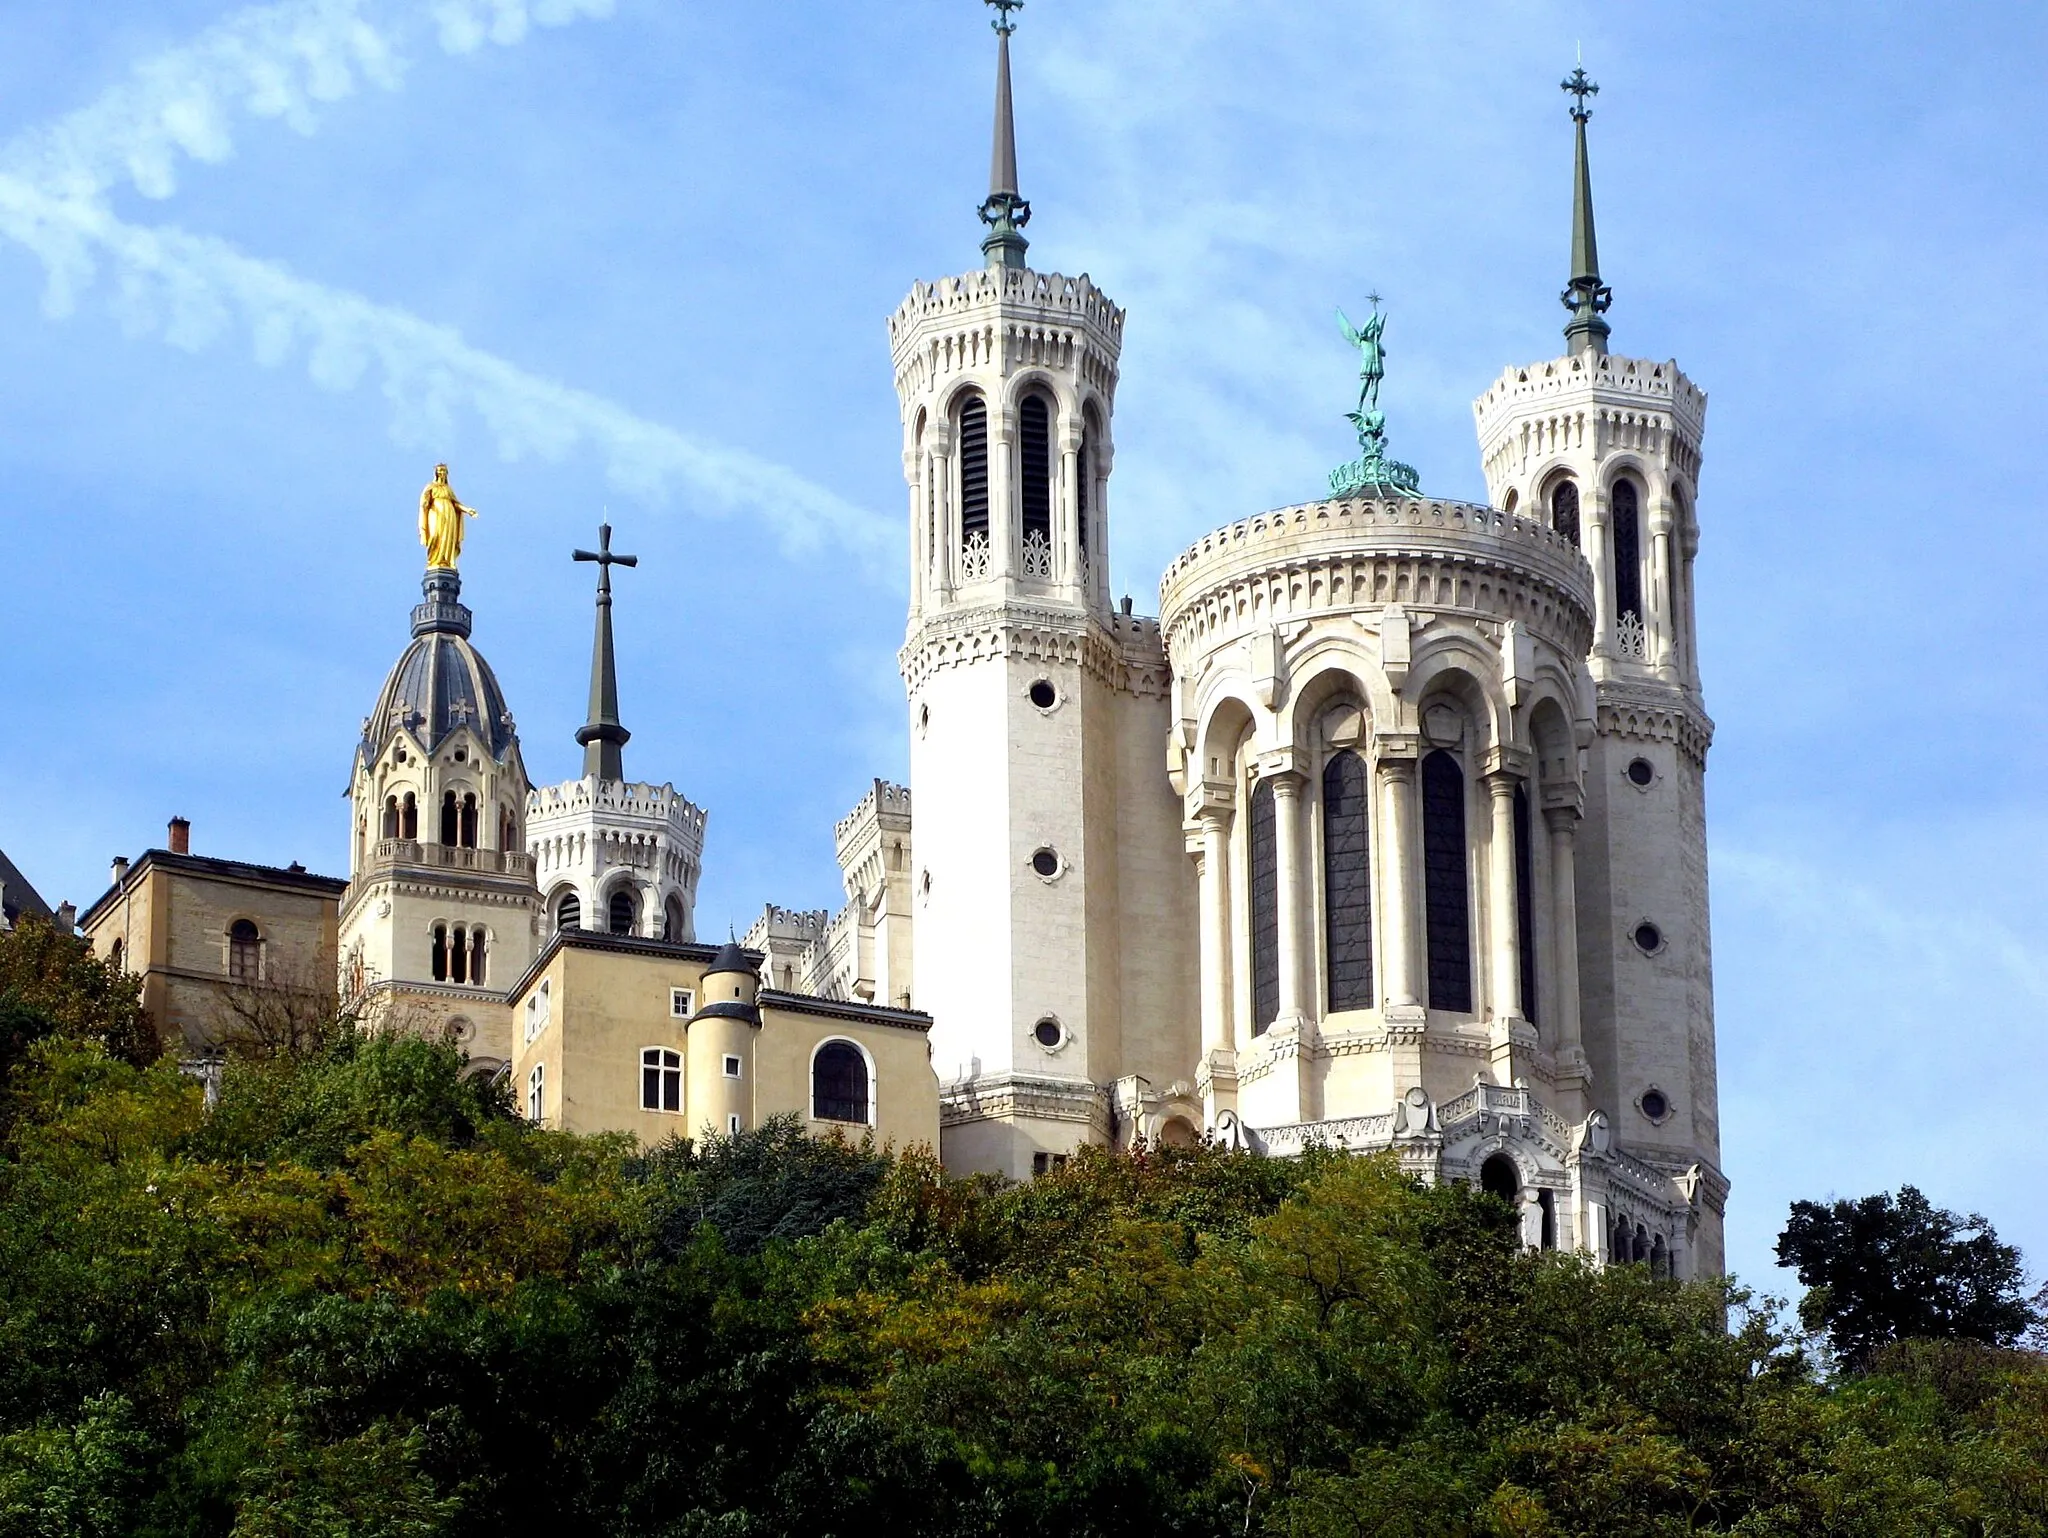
(836, 1091)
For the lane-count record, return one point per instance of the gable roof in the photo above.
(17, 897)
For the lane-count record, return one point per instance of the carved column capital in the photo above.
(1510, 764)
(1285, 767)
(1211, 801)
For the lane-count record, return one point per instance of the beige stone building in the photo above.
(661, 1038)
(218, 944)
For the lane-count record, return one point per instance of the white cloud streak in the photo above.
(281, 63)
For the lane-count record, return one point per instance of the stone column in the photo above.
(1217, 1034)
(1563, 822)
(1293, 917)
(1400, 891)
(1003, 536)
(949, 533)
(1600, 553)
(1503, 922)
(1066, 539)
(1663, 619)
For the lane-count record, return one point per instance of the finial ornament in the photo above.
(1372, 474)
(1004, 210)
(441, 518)
(1585, 295)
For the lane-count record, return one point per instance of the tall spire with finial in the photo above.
(1585, 296)
(1005, 212)
(602, 736)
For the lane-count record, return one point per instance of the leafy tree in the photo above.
(51, 984)
(1884, 1269)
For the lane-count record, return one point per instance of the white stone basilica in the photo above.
(1389, 832)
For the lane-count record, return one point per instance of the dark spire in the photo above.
(1585, 296)
(1005, 213)
(603, 737)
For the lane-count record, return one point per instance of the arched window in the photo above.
(661, 1079)
(1499, 1177)
(390, 823)
(476, 955)
(1628, 561)
(440, 953)
(1525, 903)
(1564, 509)
(569, 912)
(536, 1086)
(116, 955)
(973, 488)
(451, 818)
(508, 828)
(1034, 444)
(623, 911)
(409, 818)
(839, 1083)
(1547, 1201)
(1660, 1258)
(1265, 909)
(1347, 882)
(1447, 916)
(1084, 481)
(458, 955)
(245, 951)
(469, 820)
(673, 927)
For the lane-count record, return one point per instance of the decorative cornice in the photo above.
(1654, 713)
(837, 1009)
(1011, 1096)
(1124, 655)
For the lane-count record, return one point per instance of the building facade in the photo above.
(1388, 833)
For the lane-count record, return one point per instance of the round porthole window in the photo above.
(1649, 938)
(1043, 694)
(1049, 1034)
(1654, 1104)
(1641, 772)
(1047, 863)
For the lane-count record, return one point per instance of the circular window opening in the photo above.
(1048, 1034)
(1044, 695)
(1641, 771)
(1649, 938)
(398, 757)
(1655, 1106)
(1046, 863)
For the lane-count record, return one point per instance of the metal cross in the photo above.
(1005, 23)
(1577, 83)
(1373, 300)
(605, 559)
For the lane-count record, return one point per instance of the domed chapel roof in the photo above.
(440, 681)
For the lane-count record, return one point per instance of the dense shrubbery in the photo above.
(360, 1298)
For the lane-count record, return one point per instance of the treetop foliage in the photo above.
(359, 1297)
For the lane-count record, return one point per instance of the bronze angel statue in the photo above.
(1372, 365)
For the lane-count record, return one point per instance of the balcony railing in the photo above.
(408, 851)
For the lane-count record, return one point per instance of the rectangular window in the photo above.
(538, 1008)
(536, 1084)
(732, 1125)
(661, 1079)
(681, 1003)
(732, 1066)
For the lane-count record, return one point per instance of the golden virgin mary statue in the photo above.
(441, 518)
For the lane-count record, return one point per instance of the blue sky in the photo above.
(260, 268)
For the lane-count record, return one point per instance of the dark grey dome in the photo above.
(730, 958)
(440, 681)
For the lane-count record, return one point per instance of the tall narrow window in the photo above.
(390, 823)
(1525, 903)
(469, 821)
(476, 956)
(1628, 557)
(661, 1079)
(1447, 913)
(1564, 510)
(1347, 882)
(1084, 475)
(440, 953)
(973, 489)
(409, 818)
(672, 925)
(536, 1086)
(458, 955)
(839, 1083)
(569, 912)
(1265, 910)
(245, 951)
(623, 911)
(1034, 442)
(450, 818)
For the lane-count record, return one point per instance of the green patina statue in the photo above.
(1372, 474)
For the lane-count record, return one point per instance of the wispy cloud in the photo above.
(280, 63)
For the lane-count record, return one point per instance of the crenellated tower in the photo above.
(1051, 899)
(1605, 450)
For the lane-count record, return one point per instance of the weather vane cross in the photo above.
(1004, 22)
(1581, 87)
(605, 559)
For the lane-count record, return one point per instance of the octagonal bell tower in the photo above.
(1605, 449)
(1047, 834)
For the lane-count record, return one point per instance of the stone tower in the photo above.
(1605, 450)
(1053, 906)
(614, 855)
(439, 917)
